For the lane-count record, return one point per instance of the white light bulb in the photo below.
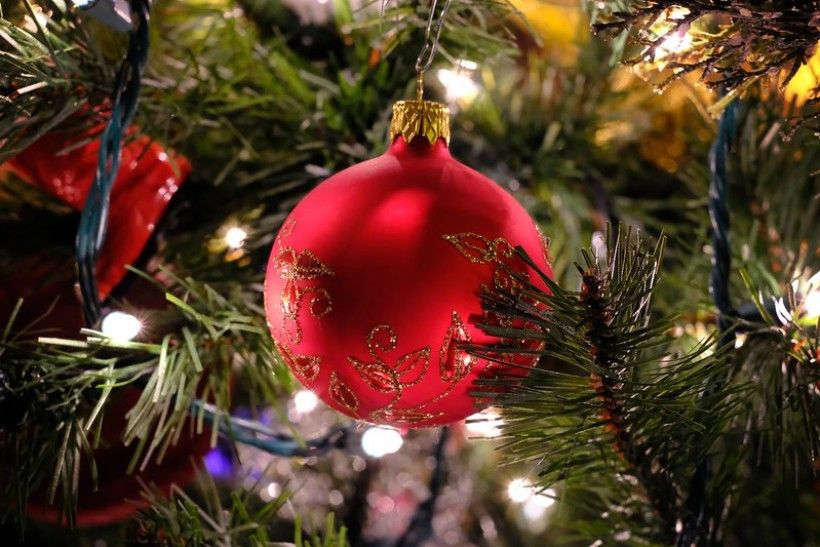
(467, 64)
(380, 441)
(235, 237)
(270, 492)
(458, 86)
(120, 326)
(811, 302)
(677, 42)
(305, 401)
(486, 423)
(519, 490)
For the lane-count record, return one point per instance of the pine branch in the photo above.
(63, 385)
(638, 418)
(182, 520)
(735, 43)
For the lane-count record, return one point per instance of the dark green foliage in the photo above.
(613, 416)
(205, 519)
(611, 406)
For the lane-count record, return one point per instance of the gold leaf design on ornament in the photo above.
(376, 375)
(545, 244)
(342, 394)
(300, 265)
(320, 303)
(306, 366)
(407, 371)
(285, 231)
(412, 367)
(454, 362)
(479, 249)
(390, 415)
(381, 338)
(298, 269)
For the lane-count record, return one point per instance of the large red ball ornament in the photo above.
(375, 275)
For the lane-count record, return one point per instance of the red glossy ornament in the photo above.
(147, 179)
(374, 276)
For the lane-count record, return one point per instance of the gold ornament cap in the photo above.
(420, 118)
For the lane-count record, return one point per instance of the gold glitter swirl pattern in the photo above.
(293, 264)
(407, 371)
(306, 366)
(479, 249)
(390, 415)
(341, 393)
(298, 268)
(454, 363)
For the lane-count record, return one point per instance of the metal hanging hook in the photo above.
(431, 41)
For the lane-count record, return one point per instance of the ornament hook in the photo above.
(431, 41)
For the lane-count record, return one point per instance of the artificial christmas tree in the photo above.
(658, 388)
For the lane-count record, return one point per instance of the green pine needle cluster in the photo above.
(180, 519)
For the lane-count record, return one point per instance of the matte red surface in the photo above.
(378, 227)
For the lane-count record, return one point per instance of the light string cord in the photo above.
(254, 434)
(694, 526)
(92, 231)
(94, 217)
(432, 37)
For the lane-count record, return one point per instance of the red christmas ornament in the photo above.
(45, 280)
(145, 183)
(374, 276)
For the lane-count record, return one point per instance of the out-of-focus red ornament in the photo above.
(147, 179)
(375, 275)
(145, 183)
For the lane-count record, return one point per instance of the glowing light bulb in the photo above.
(467, 64)
(459, 85)
(270, 492)
(235, 237)
(305, 401)
(523, 491)
(677, 42)
(120, 326)
(380, 441)
(486, 423)
(811, 301)
(537, 505)
(519, 490)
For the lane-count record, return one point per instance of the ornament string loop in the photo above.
(431, 41)
(93, 220)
